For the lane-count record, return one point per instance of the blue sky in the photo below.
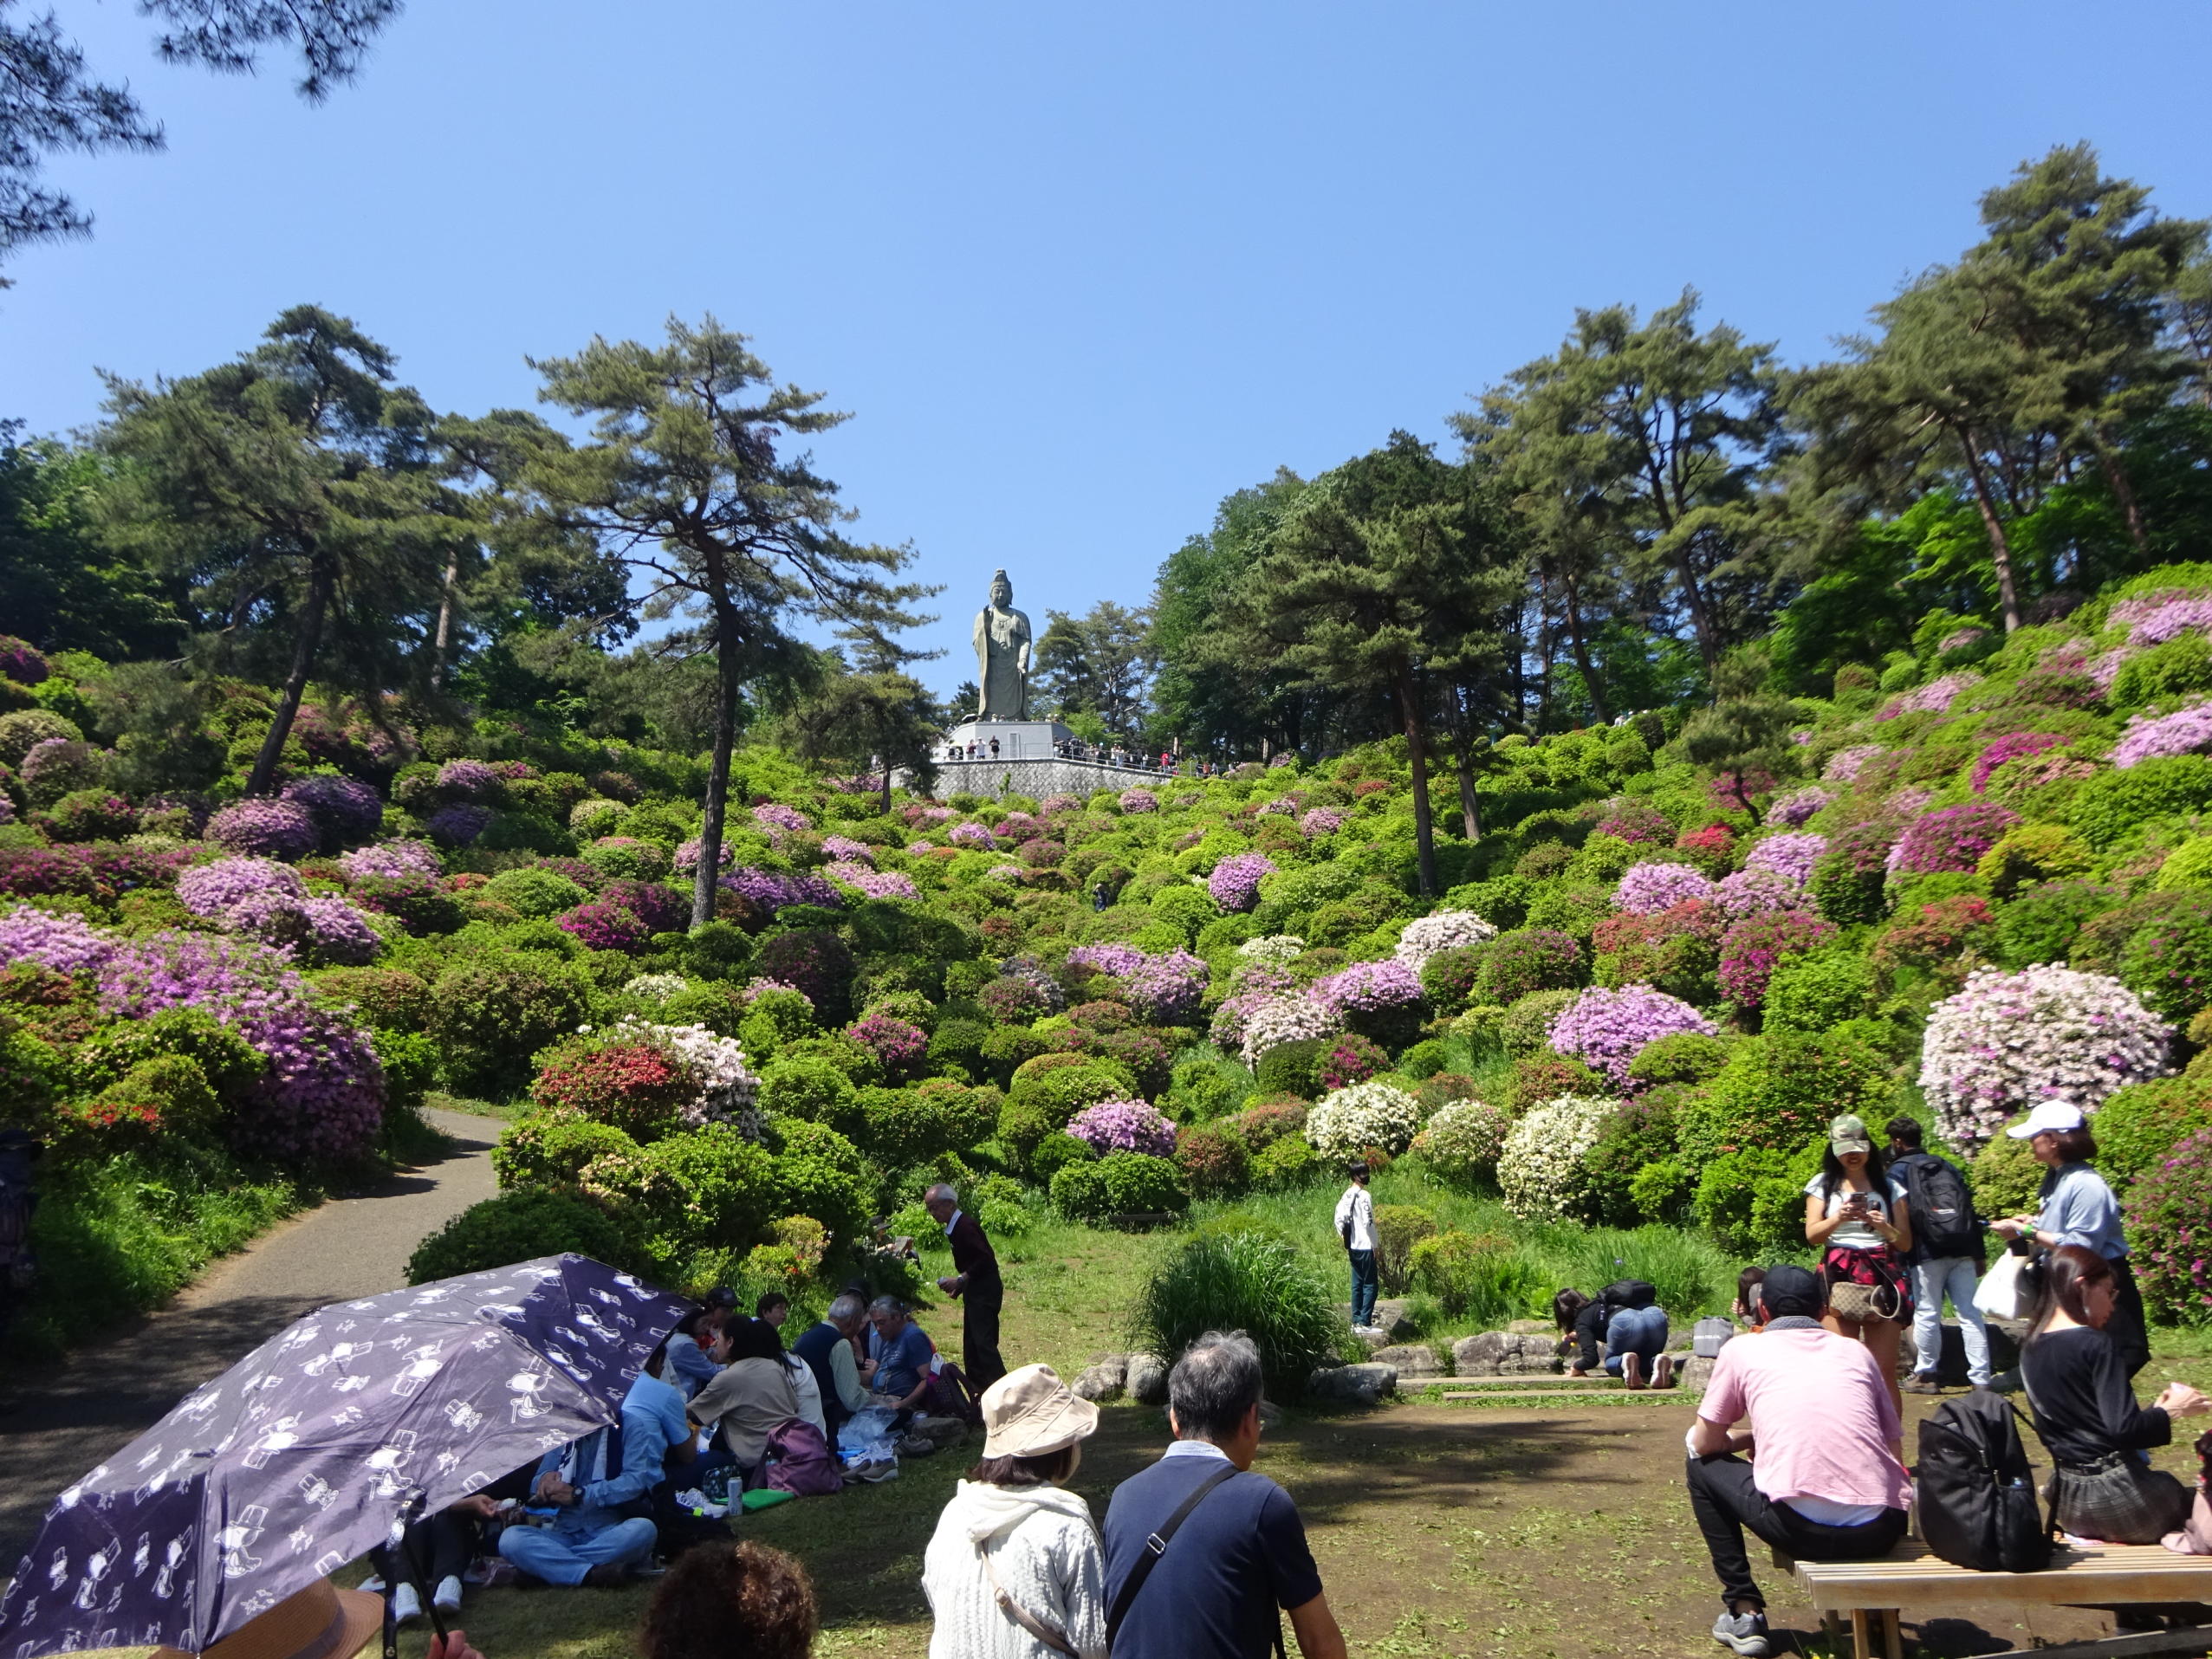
(1077, 272)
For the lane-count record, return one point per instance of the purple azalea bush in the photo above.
(389, 858)
(1954, 838)
(1607, 1030)
(1318, 822)
(1846, 764)
(2152, 736)
(2157, 618)
(777, 818)
(468, 780)
(1791, 857)
(969, 835)
(322, 1097)
(1369, 988)
(687, 857)
(845, 850)
(1161, 990)
(1798, 805)
(1648, 889)
(345, 809)
(772, 891)
(1124, 1126)
(214, 890)
(265, 828)
(1235, 882)
(457, 825)
(68, 944)
(1139, 801)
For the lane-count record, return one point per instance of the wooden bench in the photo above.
(1870, 1594)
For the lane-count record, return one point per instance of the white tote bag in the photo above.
(2000, 1294)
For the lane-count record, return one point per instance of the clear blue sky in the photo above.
(1078, 271)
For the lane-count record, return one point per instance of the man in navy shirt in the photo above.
(1216, 1591)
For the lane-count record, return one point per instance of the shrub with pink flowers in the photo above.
(1846, 764)
(601, 926)
(2013, 746)
(321, 1095)
(1648, 889)
(2155, 619)
(772, 892)
(1791, 857)
(466, 779)
(213, 890)
(774, 817)
(391, 858)
(845, 850)
(974, 835)
(345, 810)
(1124, 1126)
(2011, 1041)
(1369, 988)
(2150, 734)
(899, 1043)
(1750, 950)
(1351, 1058)
(1053, 804)
(1235, 883)
(1162, 989)
(1431, 936)
(267, 829)
(1288, 1019)
(21, 661)
(2169, 1228)
(879, 883)
(1933, 699)
(1139, 801)
(687, 857)
(68, 944)
(1637, 822)
(1607, 1030)
(1798, 805)
(1954, 838)
(663, 910)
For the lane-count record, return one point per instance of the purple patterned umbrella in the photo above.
(300, 1457)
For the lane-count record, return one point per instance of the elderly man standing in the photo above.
(828, 1349)
(974, 1282)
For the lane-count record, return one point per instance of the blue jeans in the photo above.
(1931, 1282)
(1635, 1331)
(1365, 1281)
(562, 1557)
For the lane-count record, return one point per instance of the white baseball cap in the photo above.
(2051, 1115)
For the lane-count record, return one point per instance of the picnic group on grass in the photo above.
(1798, 1441)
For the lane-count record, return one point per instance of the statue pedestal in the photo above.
(1018, 739)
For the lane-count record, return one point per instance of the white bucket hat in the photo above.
(1030, 1412)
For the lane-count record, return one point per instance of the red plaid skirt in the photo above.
(1845, 1264)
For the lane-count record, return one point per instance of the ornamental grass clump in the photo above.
(1648, 889)
(2009, 1042)
(1540, 1171)
(1347, 1122)
(1607, 1030)
(1124, 1126)
(1246, 1281)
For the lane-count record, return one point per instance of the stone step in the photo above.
(1562, 1396)
(1535, 1380)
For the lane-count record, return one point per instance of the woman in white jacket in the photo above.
(1016, 1570)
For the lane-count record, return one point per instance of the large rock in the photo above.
(1103, 1381)
(1362, 1384)
(1951, 1370)
(1504, 1353)
(1410, 1359)
(1391, 1323)
(1693, 1374)
(940, 1431)
(1147, 1379)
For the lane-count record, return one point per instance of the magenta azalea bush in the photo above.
(2152, 736)
(322, 1096)
(1139, 801)
(1648, 889)
(1235, 883)
(1607, 1030)
(1636, 822)
(2009, 1042)
(266, 829)
(1751, 948)
(1954, 838)
(899, 1043)
(2169, 1226)
(1124, 1126)
(601, 926)
(458, 824)
(2013, 746)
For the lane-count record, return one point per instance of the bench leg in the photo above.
(1862, 1646)
(1832, 1628)
(1893, 1633)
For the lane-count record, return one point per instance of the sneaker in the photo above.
(448, 1598)
(1923, 1383)
(1663, 1373)
(1632, 1370)
(407, 1605)
(1744, 1634)
(372, 1585)
(606, 1576)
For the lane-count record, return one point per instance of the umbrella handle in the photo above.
(404, 1554)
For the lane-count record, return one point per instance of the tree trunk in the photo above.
(2122, 491)
(1424, 832)
(2000, 550)
(1701, 618)
(445, 626)
(323, 582)
(707, 879)
(1470, 811)
(1582, 654)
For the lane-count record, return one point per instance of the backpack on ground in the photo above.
(950, 1396)
(1944, 1225)
(1976, 1491)
(798, 1460)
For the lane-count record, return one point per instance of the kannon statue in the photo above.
(1003, 655)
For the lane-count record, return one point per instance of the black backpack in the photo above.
(1976, 1491)
(1943, 1222)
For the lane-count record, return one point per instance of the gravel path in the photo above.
(55, 1425)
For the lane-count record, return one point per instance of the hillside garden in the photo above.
(1966, 882)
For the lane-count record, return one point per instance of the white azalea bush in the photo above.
(1347, 1121)
(1540, 1171)
(1288, 1019)
(2009, 1042)
(729, 1089)
(1431, 935)
(1463, 1140)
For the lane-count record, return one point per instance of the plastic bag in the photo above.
(866, 1436)
(2001, 1295)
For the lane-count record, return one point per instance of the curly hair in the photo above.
(717, 1599)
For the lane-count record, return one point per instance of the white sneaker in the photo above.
(407, 1605)
(372, 1585)
(448, 1598)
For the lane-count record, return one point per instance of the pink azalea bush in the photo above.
(1756, 891)
(1124, 1126)
(1139, 801)
(1791, 857)
(2009, 1041)
(1607, 1030)
(879, 883)
(899, 1043)
(777, 818)
(687, 857)
(1235, 883)
(845, 850)
(2155, 619)
(969, 835)
(606, 927)
(1648, 889)
(213, 890)
(68, 944)
(265, 828)
(1281, 1019)
(389, 858)
(1954, 838)
(1846, 764)
(1636, 822)
(1320, 820)
(1934, 698)
(1431, 935)
(1369, 988)
(1798, 805)
(1161, 990)
(1750, 950)
(2013, 746)
(2151, 735)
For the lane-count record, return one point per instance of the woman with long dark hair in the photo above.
(1858, 1218)
(2079, 1207)
(2102, 1487)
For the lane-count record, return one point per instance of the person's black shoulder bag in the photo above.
(1156, 1545)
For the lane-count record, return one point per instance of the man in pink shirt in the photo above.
(1825, 1481)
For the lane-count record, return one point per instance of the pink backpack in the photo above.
(799, 1461)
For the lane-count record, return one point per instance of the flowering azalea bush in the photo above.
(1318, 822)
(1751, 948)
(1346, 1122)
(1636, 822)
(1463, 1141)
(770, 891)
(1952, 839)
(899, 1043)
(1124, 1126)
(1607, 1030)
(2009, 1042)
(68, 944)
(1798, 805)
(391, 858)
(458, 824)
(1235, 883)
(265, 828)
(1756, 891)
(2169, 1226)
(1282, 1020)
(602, 926)
(1138, 800)
(1351, 1058)
(1935, 697)
(1846, 764)
(1647, 889)
(1164, 990)
(2151, 735)
(1791, 857)
(212, 889)
(1429, 935)
(1540, 1171)
(687, 857)
(2013, 746)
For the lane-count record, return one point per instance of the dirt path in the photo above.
(55, 1425)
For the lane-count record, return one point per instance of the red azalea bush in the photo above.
(1352, 1058)
(1215, 1162)
(1937, 938)
(639, 1088)
(1712, 848)
(602, 926)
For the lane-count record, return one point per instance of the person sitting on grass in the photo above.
(731, 1600)
(600, 1485)
(749, 1400)
(1627, 1317)
(898, 1369)
(1829, 1483)
(826, 1348)
(1745, 1309)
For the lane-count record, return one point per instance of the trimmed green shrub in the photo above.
(2113, 805)
(1811, 993)
(491, 1012)
(2006, 1178)
(1287, 1165)
(1781, 1092)
(2045, 923)
(2139, 1125)
(1525, 1029)
(812, 1089)
(1482, 1279)
(534, 892)
(518, 1227)
(1531, 959)
(1294, 1067)
(1214, 1162)
(1685, 1056)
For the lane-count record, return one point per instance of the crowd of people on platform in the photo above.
(1074, 748)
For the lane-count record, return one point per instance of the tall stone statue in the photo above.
(1003, 655)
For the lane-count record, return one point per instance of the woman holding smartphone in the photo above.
(1858, 1218)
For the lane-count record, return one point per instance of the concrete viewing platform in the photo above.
(1033, 758)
